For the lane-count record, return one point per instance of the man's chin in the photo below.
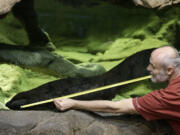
(154, 81)
(158, 81)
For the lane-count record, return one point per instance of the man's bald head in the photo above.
(164, 55)
(165, 52)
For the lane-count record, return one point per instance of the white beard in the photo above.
(161, 77)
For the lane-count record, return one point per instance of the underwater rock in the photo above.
(133, 67)
(6, 5)
(77, 123)
(156, 3)
(46, 61)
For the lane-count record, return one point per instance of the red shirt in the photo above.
(162, 104)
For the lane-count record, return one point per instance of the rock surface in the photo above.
(156, 3)
(47, 61)
(6, 5)
(76, 123)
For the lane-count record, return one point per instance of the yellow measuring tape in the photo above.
(89, 91)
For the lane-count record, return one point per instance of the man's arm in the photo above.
(122, 106)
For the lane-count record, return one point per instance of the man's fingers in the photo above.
(63, 104)
(57, 100)
(58, 105)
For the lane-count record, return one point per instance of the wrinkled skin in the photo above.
(133, 67)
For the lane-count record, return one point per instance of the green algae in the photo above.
(124, 47)
(12, 31)
(105, 34)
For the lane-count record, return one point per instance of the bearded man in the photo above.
(159, 104)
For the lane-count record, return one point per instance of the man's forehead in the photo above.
(155, 59)
(159, 54)
(151, 62)
(164, 52)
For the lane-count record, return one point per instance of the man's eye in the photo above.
(152, 66)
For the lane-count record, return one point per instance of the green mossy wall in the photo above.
(104, 34)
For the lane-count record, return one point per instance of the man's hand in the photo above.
(64, 104)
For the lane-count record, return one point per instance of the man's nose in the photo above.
(148, 68)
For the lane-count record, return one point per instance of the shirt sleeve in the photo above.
(154, 105)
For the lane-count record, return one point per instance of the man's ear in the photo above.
(170, 70)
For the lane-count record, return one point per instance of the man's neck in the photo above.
(174, 76)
